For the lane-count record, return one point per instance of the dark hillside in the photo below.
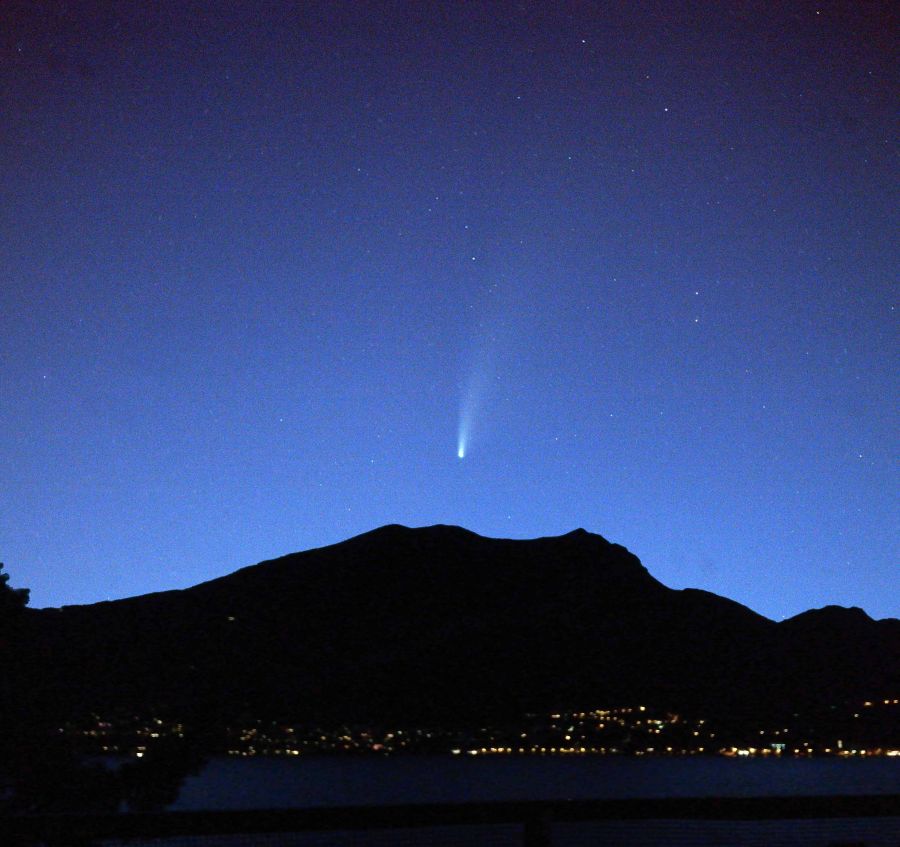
(442, 624)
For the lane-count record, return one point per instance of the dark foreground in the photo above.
(871, 820)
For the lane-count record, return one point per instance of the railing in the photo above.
(535, 819)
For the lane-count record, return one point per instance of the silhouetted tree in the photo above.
(39, 772)
(12, 607)
(11, 599)
(154, 782)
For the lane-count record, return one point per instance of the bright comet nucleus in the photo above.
(461, 452)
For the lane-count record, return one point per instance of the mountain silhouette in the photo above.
(439, 624)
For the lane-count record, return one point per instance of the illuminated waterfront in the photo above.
(861, 730)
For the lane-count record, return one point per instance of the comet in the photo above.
(466, 415)
(471, 400)
(491, 337)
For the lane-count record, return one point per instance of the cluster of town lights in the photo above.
(638, 731)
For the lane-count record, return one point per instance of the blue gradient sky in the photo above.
(256, 258)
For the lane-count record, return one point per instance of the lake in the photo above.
(261, 783)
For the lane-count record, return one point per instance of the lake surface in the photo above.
(271, 783)
(265, 783)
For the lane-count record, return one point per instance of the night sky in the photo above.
(267, 269)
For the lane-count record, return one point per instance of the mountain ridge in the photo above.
(578, 533)
(440, 623)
